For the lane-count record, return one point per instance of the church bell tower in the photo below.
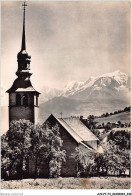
(23, 98)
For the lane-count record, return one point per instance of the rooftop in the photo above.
(76, 129)
(79, 128)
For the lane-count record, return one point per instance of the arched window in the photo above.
(25, 100)
(18, 99)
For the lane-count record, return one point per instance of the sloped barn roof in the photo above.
(80, 129)
(77, 130)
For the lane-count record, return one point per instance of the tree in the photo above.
(17, 144)
(36, 146)
(122, 139)
(116, 157)
(127, 109)
(100, 164)
(107, 114)
(81, 117)
(85, 161)
(119, 122)
(25, 141)
(5, 158)
(96, 132)
(91, 124)
(55, 155)
(108, 126)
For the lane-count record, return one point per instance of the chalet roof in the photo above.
(70, 130)
(79, 129)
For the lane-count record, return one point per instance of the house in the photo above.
(115, 125)
(74, 134)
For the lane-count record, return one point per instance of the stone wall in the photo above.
(29, 112)
(21, 112)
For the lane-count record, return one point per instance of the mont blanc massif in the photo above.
(97, 95)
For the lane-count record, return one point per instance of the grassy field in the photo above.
(69, 183)
(123, 117)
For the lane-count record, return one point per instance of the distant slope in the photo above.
(56, 106)
(70, 107)
(123, 117)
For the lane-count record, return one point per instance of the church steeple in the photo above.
(23, 98)
(23, 47)
(23, 58)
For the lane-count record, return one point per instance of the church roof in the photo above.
(29, 89)
(22, 85)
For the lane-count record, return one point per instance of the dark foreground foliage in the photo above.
(42, 143)
(24, 141)
(114, 161)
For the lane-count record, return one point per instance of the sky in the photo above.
(67, 41)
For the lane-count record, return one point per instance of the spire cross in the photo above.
(24, 5)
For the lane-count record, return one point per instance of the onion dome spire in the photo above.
(23, 58)
(22, 84)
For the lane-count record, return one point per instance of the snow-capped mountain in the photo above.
(113, 80)
(120, 77)
(105, 93)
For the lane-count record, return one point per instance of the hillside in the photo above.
(123, 117)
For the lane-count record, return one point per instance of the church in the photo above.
(23, 104)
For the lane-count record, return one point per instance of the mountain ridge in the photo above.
(120, 78)
(97, 95)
